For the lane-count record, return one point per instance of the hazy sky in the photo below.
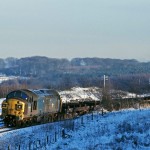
(75, 28)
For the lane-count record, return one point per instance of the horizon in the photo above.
(69, 59)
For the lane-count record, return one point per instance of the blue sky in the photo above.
(75, 28)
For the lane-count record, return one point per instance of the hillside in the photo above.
(128, 75)
(128, 129)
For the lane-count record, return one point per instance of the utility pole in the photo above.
(106, 102)
(104, 81)
(105, 78)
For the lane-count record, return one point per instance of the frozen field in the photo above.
(128, 129)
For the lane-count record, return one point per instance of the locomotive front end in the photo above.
(15, 112)
(13, 108)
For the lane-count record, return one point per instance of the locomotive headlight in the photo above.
(18, 106)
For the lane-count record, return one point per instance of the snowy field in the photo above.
(123, 130)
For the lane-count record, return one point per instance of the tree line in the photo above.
(60, 74)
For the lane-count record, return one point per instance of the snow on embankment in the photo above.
(117, 130)
(78, 93)
(92, 93)
(1, 100)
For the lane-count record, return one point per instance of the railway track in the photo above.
(5, 129)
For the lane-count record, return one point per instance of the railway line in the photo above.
(5, 129)
(1, 122)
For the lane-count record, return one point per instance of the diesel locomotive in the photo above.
(24, 107)
(27, 107)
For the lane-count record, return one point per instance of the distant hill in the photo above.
(63, 73)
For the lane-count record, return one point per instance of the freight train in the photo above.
(27, 107)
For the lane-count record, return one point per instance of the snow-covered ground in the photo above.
(92, 93)
(122, 130)
(6, 78)
(78, 93)
(1, 100)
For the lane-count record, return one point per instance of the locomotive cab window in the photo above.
(34, 105)
(17, 94)
(18, 106)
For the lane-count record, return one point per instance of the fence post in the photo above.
(102, 112)
(73, 125)
(29, 146)
(92, 115)
(82, 120)
(8, 147)
(47, 139)
(63, 133)
(39, 143)
(18, 147)
(55, 136)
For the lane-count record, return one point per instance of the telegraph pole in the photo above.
(105, 78)
(104, 81)
(106, 102)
